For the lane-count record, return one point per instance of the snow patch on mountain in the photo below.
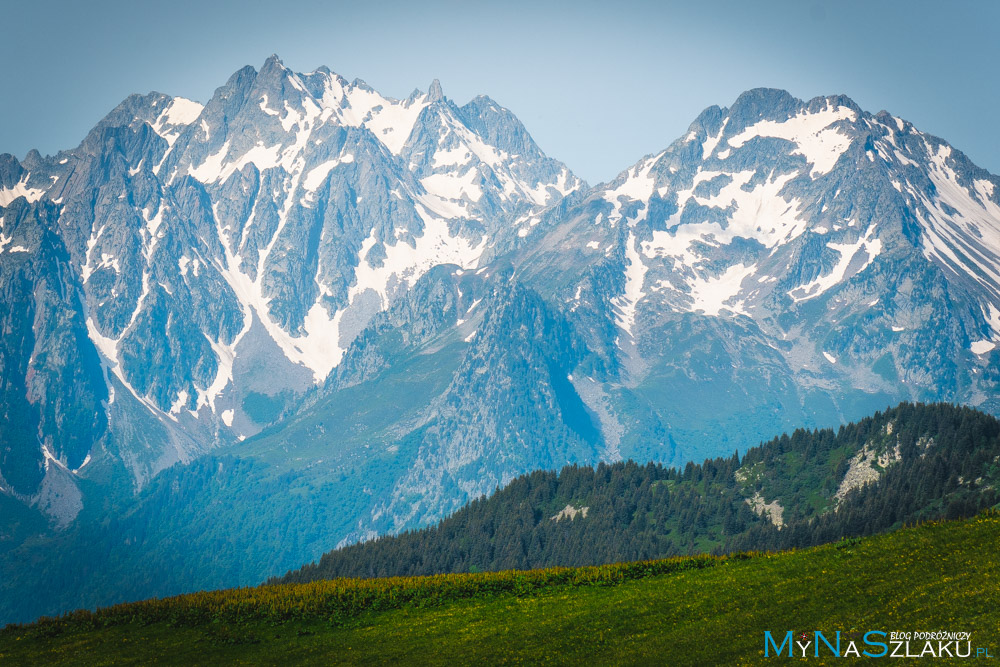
(992, 319)
(318, 349)
(981, 347)
(108, 348)
(20, 189)
(961, 224)
(315, 177)
(635, 275)
(712, 142)
(637, 184)
(710, 295)
(812, 134)
(390, 120)
(178, 115)
(404, 263)
(865, 248)
(760, 214)
(453, 187)
(180, 402)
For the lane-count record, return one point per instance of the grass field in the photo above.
(695, 611)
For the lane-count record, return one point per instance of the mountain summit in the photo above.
(238, 247)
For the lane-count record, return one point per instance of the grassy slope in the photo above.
(933, 577)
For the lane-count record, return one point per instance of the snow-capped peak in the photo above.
(312, 203)
(773, 198)
(178, 114)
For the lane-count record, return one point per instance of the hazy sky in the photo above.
(598, 84)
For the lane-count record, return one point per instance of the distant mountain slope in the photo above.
(911, 463)
(784, 263)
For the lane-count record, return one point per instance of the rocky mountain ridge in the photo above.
(241, 245)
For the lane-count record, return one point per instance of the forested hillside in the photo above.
(910, 463)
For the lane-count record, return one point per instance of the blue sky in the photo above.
(598, 84)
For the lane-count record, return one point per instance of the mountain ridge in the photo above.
(238, 281)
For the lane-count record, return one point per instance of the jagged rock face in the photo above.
(50, 377)
(514, 384)
(213, 252)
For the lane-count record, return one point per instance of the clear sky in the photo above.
(598, 84)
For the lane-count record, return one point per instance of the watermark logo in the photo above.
(872, 644)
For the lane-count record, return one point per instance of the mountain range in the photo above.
(304, 314)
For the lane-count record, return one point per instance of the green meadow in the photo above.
(685, 611)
